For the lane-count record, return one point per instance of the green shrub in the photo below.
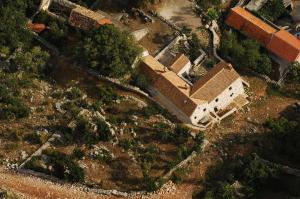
(107, 95)
(78, 153)
(74, 93)
(33, 138)
(103, 130)
(128, 144)
(64, 167)
(178, 175)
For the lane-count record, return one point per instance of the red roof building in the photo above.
(280, 42)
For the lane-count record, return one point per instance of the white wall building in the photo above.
(213, 97)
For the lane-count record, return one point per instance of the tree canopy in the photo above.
(109, 51)
(245, 53)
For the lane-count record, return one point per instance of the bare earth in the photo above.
(180, 12)
(35, 188)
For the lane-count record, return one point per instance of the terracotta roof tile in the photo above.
(170, 85)
(180, 61)
(252, 26)
(285, 45)
(280, 42)
(219, 78)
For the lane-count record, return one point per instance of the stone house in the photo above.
(213, 97)
(86, 19)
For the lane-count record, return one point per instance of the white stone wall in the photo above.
(221, 102)
(226, 97)
(200, 112)
(185, 69)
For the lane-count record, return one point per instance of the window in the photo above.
(230, 88)
(216, 109)
(195, 117)
(217, 100)
(231, 94)
(204, 109)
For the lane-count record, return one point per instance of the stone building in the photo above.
(213, 97)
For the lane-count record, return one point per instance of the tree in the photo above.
(109, 51)
(32, 61)
(194, 47)
(273, 9)
(13, 21)
(245, 54)
(294, 72)
(212, 14)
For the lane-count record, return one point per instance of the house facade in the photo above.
(213, 97)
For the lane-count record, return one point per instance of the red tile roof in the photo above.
(285, 45)
(211, 85)
(280, 42)
(36, 27)
(180, 61)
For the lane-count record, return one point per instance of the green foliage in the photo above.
(109, 51)
(252, 172)
(74, 93)
(64, 167)
(128, 144)
(33, 138)
(150, 111)
(13, 21)
(78, 153)
(11, 106)
(178, 175)
(182, 133)
(194, 47)
(107, 95)
(206, 4)
(257, 172)
(58, 30)
(272, 10)
(199, 138)
(294, 72)
(245, 53)
(286, 133)
(281, 126)
(148, 155)
(140, 81)
(32, 61)
(103, 130)
(212, 14)
(152, 183)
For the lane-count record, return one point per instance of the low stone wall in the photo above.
(184, 162)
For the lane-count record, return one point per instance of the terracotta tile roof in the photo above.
(170, 85)
(219, 78)
(280, 42)
(180, 61)
(252, 26)
(181, 94)
(36, 27)
(285, 45)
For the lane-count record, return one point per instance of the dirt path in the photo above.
(35, 188)
(28, 187)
